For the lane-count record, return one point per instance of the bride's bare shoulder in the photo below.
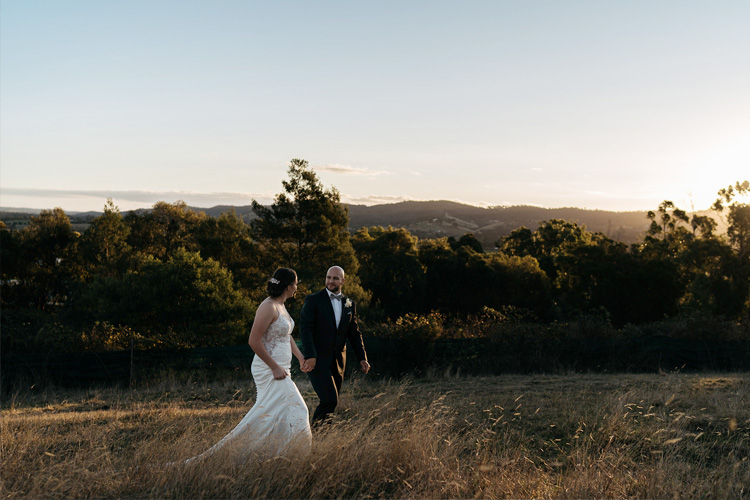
(267, 309)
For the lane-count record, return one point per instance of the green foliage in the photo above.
(597, 277)
(184, 302)
(738, 218)
(104, 248)
(669, 219)
(104, 336)
(33, 330)
(713, 279)
(553, 239)
(165, 229)
(390, 268)
(306, 227)
(175, 277)
(465, 281)
(227, 240)
(716, 282)
(40, 269)
(13, 265)
(467, 240)
(419, 327)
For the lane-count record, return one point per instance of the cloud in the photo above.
(143, 197)
(383, 200)
(374, 199)
(348, 170)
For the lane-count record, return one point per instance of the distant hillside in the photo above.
(430, 219)
(433, 219)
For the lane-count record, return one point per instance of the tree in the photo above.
(738, 217)
(589, 271)
(306, 227)
(703, 225)
(670, 217)
(390, 268)
(184, 302)
(519, 242)
(553, 238)
(46, 271)
(12, 267)
(738, 231)
(467, 240)
(164, 229)
(635, 289)
(227, 240)
(715, 280)
(671, 227)
(464, 281)
(104, 247)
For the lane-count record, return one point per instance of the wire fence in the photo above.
(393, 358)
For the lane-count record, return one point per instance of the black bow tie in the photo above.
(337, 297)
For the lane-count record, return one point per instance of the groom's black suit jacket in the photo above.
(320, 337)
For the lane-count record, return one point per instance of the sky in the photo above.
(593, 104)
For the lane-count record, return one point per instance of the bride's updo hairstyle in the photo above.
(281, 279)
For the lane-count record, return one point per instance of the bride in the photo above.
(278, 423)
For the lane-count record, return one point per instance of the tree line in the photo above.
(174, 277)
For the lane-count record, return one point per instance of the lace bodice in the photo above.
(278, 332)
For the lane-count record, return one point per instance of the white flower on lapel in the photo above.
(348, 303)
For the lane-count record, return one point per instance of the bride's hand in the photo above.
(279, 373)
(308, 365)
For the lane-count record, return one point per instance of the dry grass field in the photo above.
(537, 436)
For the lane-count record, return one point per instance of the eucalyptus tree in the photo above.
(465, 281)
(390, 268)
(227, 240)
(737, 216)
(184, 301)
(164, 229)
(668, 221)
(738, 231)
(306, 227)
(46, 269)
(104, 248)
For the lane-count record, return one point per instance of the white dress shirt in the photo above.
(338, 306)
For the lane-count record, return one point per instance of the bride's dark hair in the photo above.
(282, 278)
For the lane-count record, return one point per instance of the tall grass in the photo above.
(563, 436)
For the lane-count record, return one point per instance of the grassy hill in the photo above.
(430, 219)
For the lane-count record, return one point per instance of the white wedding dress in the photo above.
(278, 423)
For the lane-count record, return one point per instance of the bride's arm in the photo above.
(297, 354)
(265, 315)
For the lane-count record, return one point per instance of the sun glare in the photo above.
(716, 168)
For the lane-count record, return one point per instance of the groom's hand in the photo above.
(365, 365)
(309, 365)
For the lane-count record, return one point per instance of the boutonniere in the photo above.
(348, 303)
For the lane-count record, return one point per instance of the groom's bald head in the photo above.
(336, 269)
(335, 278)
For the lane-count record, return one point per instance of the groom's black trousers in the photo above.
(326, 379)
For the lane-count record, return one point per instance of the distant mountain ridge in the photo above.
(434, 219)
(430, 219)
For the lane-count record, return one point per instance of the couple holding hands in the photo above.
(278, 423)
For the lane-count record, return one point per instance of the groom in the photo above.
(328, 318)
